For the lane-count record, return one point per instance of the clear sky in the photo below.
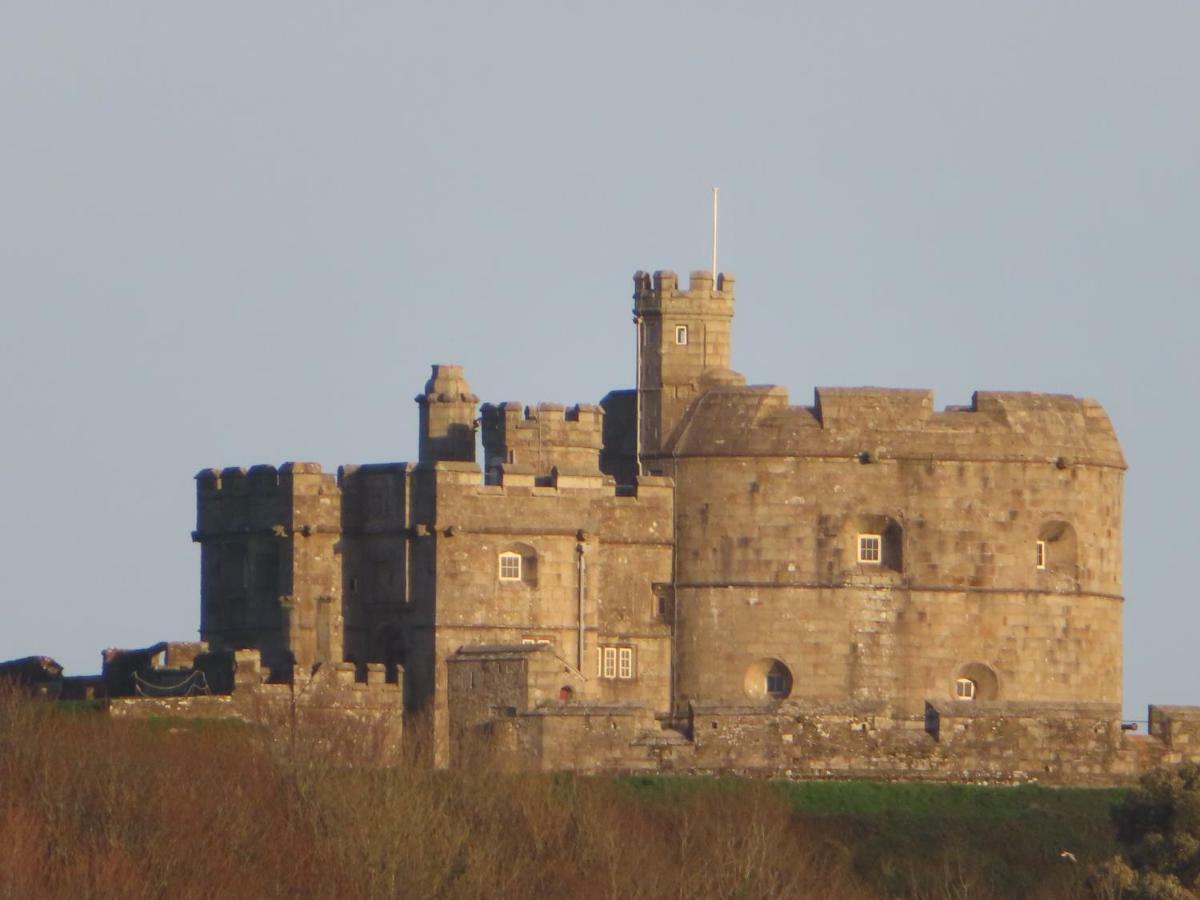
(234, 233)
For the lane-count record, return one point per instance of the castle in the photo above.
(696, 574)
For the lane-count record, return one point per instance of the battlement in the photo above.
(260, 480)
(581, 421)
(665, 283)
(264, 497)
(885, 422)
(543, 437)
(661, 293)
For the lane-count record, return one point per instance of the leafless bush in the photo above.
(96, 807)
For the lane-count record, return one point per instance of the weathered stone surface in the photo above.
(677, 578)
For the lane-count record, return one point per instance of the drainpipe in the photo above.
(581, 564)
(637, 417)
(405, 530)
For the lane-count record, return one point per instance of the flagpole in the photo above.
(715, 196)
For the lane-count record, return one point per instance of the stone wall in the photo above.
(770, 500)
(376, 555)
(546, 438)
(726, 580)
(1056, 744)
(269, 579)
(674, 366)
(331, 705)
(614, 547)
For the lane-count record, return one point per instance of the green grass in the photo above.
(875, 798)
(899, 834)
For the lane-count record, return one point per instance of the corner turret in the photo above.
(447, 417)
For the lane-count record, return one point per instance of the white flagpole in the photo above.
(716, 192)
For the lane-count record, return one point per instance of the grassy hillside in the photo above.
(91, 807)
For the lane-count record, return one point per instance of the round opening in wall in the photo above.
(768, 679)
(976, 681)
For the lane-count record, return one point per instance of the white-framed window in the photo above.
(964, 689)
(535, 640)
(869, 548)
(614, 662)
(681, 334)
(1041, 554)
(625, 662)
(510, 566)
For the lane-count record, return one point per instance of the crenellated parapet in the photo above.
(544, 439)
(297, 496)
(877, 424)
(661, 292)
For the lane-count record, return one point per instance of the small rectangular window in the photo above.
(964, 689)
(613, 662)
(510, 567)
(1041, 554)
(869, 548)
(610, 662)
(681, 336)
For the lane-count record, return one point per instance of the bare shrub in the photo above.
(96, 807)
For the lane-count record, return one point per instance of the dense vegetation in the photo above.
(92, 807)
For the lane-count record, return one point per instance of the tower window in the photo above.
(1041, 554)
(964, 689)
(681, 336)
(510, 567)
(869, 546)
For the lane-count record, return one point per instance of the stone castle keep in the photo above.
(694, 574)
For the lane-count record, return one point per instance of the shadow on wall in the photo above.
(1057, 551)
(768, 679)
(976, 681)
(872, 543)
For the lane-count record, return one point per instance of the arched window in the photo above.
(1056, 549)
(976, 681)
(768, 679)
(779, 681)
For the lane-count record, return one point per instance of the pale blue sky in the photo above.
(234, 233)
